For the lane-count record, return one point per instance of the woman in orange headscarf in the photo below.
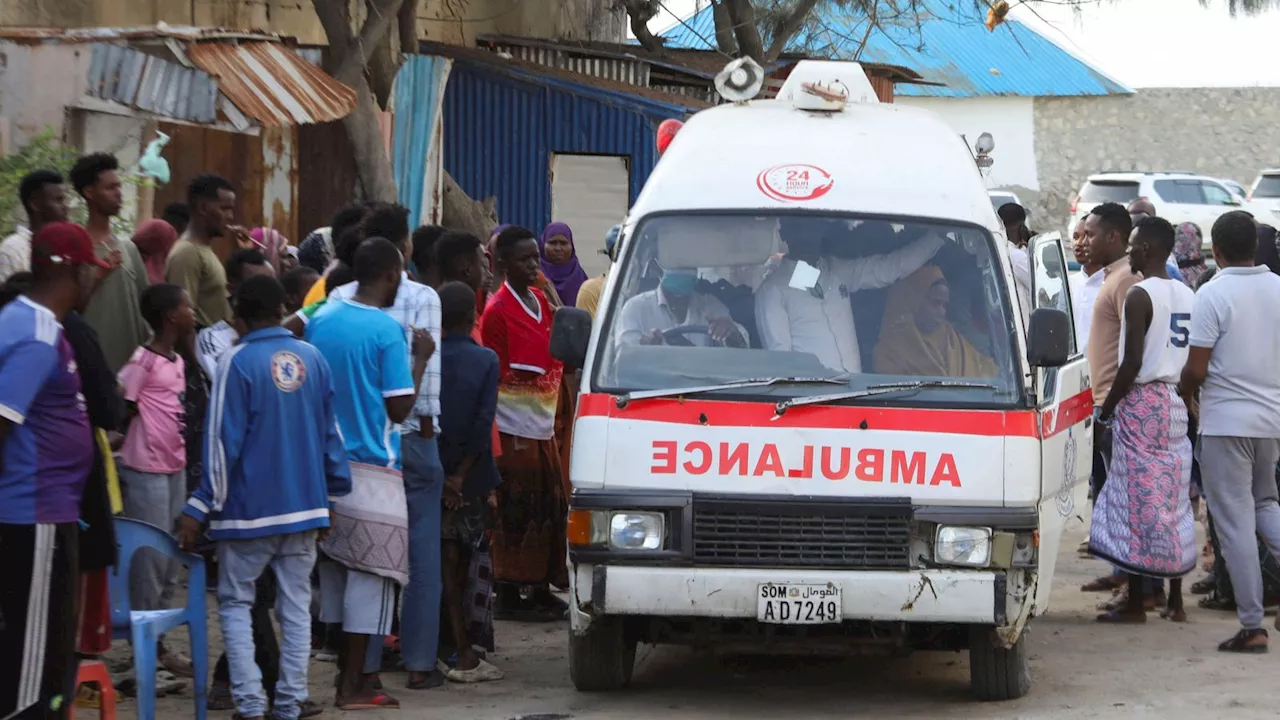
(917, 339)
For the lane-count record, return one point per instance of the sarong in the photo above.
(529, 534)
(370, 530)
(1142, 520)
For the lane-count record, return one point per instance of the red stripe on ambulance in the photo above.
(722, 413)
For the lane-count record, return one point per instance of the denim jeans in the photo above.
(420, 607)
(240, 563)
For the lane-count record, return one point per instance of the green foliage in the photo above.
(44, 151)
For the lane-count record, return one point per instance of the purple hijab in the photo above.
(569, 276)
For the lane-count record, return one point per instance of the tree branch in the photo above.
(788, 27)
(407, 25)
(724, 28)
(640, 12)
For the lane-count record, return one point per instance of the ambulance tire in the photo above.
(603, 657)
(997, 673)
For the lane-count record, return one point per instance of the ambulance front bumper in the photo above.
(920, 596)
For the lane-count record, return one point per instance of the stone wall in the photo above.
(1223, 132)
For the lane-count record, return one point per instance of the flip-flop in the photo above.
(484, 672)
(430, 682)
(1178, 616)
(379, 700)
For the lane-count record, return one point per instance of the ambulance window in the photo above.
(712, 299)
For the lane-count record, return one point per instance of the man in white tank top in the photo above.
(1151, 456)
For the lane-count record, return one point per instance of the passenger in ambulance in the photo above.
(916, 338)
(804, 304)
(676, 314)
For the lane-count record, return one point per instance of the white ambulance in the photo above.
(812, 418)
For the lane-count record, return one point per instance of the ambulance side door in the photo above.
(1065, 406)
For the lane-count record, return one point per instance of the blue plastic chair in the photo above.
(144, 627)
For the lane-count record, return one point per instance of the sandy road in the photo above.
(1081, 670)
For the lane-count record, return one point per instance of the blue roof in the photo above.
(951, 45)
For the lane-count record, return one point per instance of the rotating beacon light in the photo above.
(667, 130)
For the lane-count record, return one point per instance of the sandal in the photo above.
(378, 700)
(1119, 618)
(220, 697)
(1204, 586)
(1213, 602)
(1239, 643)
(1178, 616)
(433, 680)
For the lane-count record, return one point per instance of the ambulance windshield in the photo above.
(710, 299)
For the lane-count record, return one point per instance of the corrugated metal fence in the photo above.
(500, 130)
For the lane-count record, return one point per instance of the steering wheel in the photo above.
(677, 336)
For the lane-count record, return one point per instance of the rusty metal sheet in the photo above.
(272, 84)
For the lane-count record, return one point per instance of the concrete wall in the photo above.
(448, 21)
(1010, 120)
(1223, 132)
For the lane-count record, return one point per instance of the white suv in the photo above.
(1177, 197)
(1266, 194)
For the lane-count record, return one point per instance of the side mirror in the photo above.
(570, 336)
(1048, 338)
(1233, 200)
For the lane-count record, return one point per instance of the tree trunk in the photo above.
(640, 12)
(350, 55)
(407, 26)
(745, 29)
(724, 28)
(459, 212)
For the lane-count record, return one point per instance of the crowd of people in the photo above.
(1186, 405)
(365, 433)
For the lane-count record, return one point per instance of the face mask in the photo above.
(679, 283)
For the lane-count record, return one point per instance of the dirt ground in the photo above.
(1080, 669)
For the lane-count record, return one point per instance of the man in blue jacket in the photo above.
(273, 462)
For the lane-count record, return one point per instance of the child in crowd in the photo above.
(297, 283)
(153, 459)
(468, 402)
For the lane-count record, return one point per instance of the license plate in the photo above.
(798, 604)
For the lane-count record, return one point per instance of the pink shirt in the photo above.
(155, 384)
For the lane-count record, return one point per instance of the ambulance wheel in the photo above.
(603, 657)
(997, 673)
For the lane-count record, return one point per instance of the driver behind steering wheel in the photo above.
(647, 317)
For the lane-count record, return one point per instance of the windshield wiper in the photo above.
(751, 382)
(874, 390)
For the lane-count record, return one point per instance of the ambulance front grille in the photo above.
(727, 536)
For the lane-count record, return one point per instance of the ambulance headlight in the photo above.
(967, 546)
(636, 531)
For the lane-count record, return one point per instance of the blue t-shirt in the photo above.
(48, 453)
(365, 349)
